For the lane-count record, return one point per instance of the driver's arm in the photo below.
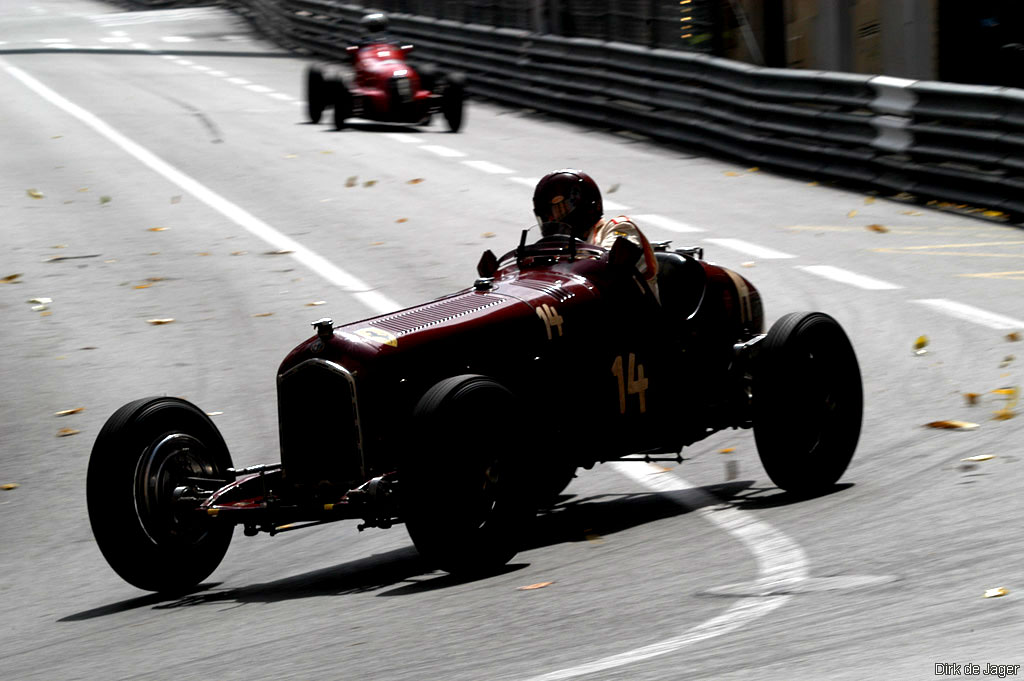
(622, 227)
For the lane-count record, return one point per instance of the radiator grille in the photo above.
(436, 313)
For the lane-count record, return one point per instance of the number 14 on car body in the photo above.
(632, 383)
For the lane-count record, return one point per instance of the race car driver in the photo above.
(571, 197)
(374, 29)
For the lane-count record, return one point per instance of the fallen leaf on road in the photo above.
(46, 313)
(352, 181)
(176, 199)
(753, 170)
(10, 279)
(158, 229)
(316, 302)
(415, 180)
(83, 189)
(64, 432)
(1004, 414)
(40, 301)
(154, 253)
(376, 243)
(868, 200)
(239, 252)
(995, 593)
(291, 155)
(488, 235)
(852, 213)
(614, 188)
(952, 425)
(58, 258)
(878, 228)
(40, 308)
(263, 314)
(1013, 337)
(35, 193)
(105, 200)
(972, 398)
(9, 486)
(749, 263)
(69, 412)
(731, 173)
(1006, 361)
(812, 184)
(203, 253)
(281, 252)
(531, 587)
(979, 457)
(402, 220)
(159, 321)
(154, 279)
(919, 345)
(727, 450)
(214, 413)
(59, 246)
(912, 212)
(326, 152)
(142, 286)
(369, 183)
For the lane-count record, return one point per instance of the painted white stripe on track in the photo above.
(525, 181)
(446, 152)
(200, 67)
(54, 41)
(238, 81)
(116, 39)
(183, 62)
(282, 96)
(374, 300)
(489, 167)
(750, 249)
(973, 314)
(141, 46)
(176, 39)
(848, 277)
(665, 223)
(613, 205)
(262, 89)
(406, 138)
(780, 562)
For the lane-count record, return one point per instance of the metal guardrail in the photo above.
(953, 143)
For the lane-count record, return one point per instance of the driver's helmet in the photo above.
(374, 23)
(570, 197)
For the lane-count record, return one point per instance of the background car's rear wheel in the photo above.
(808, 402)
(342, 104)
(316, 92)
(146, 449)
(467, 507)
(453, 101)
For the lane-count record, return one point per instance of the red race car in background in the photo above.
(385, 87)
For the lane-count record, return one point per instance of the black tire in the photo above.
(453, 102)
(428, 76)
(146, 449)
(342, 104)
(808, 402)
(316, 92)
(468, 506)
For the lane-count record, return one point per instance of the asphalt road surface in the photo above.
(151, 166)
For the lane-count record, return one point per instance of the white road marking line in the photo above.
(169, 57)
(176, 39)
(489, 167)
(780, 562)
(525, 181)
(665, 223)
(141, 46)
(238, 81)
(446, 152)
(613, 205)
(848, 277)
(119, 34)
(66, 46)
(53, 41)
(200, 67)
(374, 300)
(750, 249)
(116, 39)
(406, 138)
(262, 89)
(183, 62)
(219, 74)
(282, 96)
(973, 314)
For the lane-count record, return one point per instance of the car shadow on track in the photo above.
(773, 497)
(402, 572)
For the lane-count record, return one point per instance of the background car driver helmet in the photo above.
(568, 196)
(374, 23)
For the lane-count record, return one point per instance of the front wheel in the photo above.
(467, 505)
(808, 402)
(342, 104)
(453, 102)
(315, 93)
(145, 450)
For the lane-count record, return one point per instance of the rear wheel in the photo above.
(808, 402)
(342, 104)
(467, 509)
(453, 102)
(146, 449)
(316, 92)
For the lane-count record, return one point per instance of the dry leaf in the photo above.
(281, 252)
(979, 457)
(1005, 391)
(40, 301)
(291, 155)
(415, 180)
(812, 184)
(59, 246)
(326, 152)
(878, 228)
(203, 253)
(852, 213)
(400, 220)
(952, 425)
(1003, 415)
(105, 200)
(995, 593)
(753, 170)
(531, 587)
(316, 302)
(239, 252)
(46, 313)
(83, 189)
(39, 308)
(972, 398)
(352, 181)
(1006, 361)
(142, 286)
(69, 412)
(488, 235)
(921, 342)
(614, 188)
(10, 278)
(214, 413)
(1012, 337)
(159, 321)
(730, 173)
(727, 450)
(154, 253)
(158, 229)
(64, 432)
(58, 258)
(369, 183)
(376, 243)
(748, 263)
(154, 279)
(868, 200)
(9, 486)
(263, 314)
(176, 199)
(35, 193)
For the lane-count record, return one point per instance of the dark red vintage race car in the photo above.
(385, 87)
(461, 416)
